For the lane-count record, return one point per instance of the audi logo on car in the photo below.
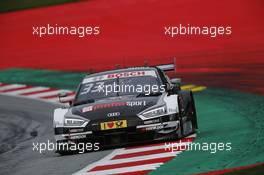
(113, 114)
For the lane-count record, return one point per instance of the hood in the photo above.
(126, 106)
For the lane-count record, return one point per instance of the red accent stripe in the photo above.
(38, 92)
(190, 139)
(54, 96)
(129, 164)
(135, 173)
(144, 153)
(3, 84)
(16, 89)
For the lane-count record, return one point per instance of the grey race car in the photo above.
(104, 113)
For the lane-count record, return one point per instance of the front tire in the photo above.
(187, 113)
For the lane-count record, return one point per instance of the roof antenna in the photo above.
(117, 66)
(145, 63)
(174, 62)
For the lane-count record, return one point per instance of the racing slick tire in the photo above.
(187, 114)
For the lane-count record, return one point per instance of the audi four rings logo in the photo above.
(113, 114)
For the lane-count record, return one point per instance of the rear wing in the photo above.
(168, 67)
(163, 67)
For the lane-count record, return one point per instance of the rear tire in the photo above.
(193, 111)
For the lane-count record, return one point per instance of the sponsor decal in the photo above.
(151, 121)
(76, 130)
(154, 128)
(77, 137)
(120, 75)
(126, 74)
(108, 105)
(136, 103)
(87, 109)
(113, 104)
(114, 124)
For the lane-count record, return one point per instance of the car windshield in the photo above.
(112, 85)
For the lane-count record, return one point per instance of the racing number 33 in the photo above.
(114, 124)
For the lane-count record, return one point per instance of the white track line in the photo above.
(108, 159)
(139, 158)
(28, 90)
(11, 86)
(125, 169)
(191, 136)
(150, 148)
(94, 164)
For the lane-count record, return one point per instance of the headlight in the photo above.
(73, 122)
(155, 112)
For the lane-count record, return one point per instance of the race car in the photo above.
(126, 106)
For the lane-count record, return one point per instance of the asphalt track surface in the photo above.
(18, 119)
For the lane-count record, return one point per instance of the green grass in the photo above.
(56, 79)
(250, 171)
(224, 116)
(12, 5)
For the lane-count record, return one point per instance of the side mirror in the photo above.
(176, 81)
(168, 87)
(62, 95)
(173, 88)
